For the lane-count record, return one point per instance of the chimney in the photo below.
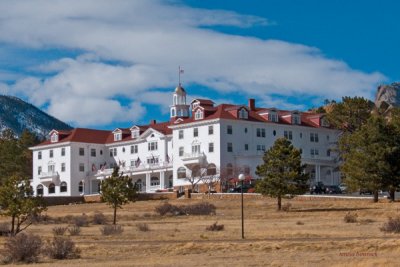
(152, 122)
(252, 104)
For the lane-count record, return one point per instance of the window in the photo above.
(181, 172)
(246, 170)
(39, 190)
(314, 152)
(260, 147)
(195, 132)
(229, 129)
(210, 147)
(328, 153)
(230, 147)
(296, 119)
(63, 167)
(211, 169)
(152, 146)
(274, 133)
(63, 151)
(153, 160)
(52, 188)
(180, 134)
(327, 138)
(51, 168)
(123, 149)
(314, 137)
(80, 187)
(154, 181)
(81, 167)
(101, 152)
(301, 135)
(288, 135)
(181, 151)
(210, 130)
(198, 115)
(113, 152)
(54, 138)
(39, 171)
(245, 130)
(273, 117)
(134, 149)
(63, 187)
(51, 153)
(117, 136)
(229, 169)
(93, 152)
(39, 155)
(135, 133)
(260, 132)
(246, 147)
(81, 151)
(195, 149)
(243, 114)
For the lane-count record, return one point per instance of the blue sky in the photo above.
(108, 64)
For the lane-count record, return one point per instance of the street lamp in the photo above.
(241, 179)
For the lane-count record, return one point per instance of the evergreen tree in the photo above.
(117, 190)
(282, 172)
(17, 201)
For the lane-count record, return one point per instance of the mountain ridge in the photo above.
(18, 115)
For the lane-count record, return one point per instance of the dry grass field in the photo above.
(312, 233)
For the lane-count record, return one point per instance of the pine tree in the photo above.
(117, 190)
(282, 172)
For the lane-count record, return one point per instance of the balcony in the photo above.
(133, 169)
(193, 159)
(49, 177)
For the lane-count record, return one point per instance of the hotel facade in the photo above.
(200, 138)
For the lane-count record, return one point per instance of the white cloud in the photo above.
(129, 48)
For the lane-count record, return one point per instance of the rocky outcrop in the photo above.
(388, 96)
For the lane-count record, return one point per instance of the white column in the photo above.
(317, 172)
(332, 177)
(162, 179)
(147, 182)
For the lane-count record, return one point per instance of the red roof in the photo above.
(80, 135)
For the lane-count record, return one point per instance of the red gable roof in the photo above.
(81, 135)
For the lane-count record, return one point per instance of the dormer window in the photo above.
(195, 105)
(198, 115)
(54, 138)
(324, 122)
(135, 133)
(296, 119)
(118, 136)
(243, 114)
(273, 117)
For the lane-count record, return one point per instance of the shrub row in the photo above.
(203, 208)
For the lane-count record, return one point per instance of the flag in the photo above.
(168, 158)
(181, 71)
(137, 163)
(119, 163)
(153, 158)
(93, 167)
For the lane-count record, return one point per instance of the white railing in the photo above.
(131, 169)
(44, 175)
(193, 155)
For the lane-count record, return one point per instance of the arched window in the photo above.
(154, 181)
(39, 190)
(182, 172)
(243, 114)
(52, 188)
(63, 187)
(211, 169)
(198, 115)
(80, 187)
(229, 169)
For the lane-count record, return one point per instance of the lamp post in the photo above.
(241, 179)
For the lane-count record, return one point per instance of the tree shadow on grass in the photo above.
(330, 209)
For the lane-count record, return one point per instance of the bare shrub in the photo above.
(300, 223)
(99, 218)
(62, 248)
(144, 227)
(215, 227)
(167, 208)
(22, 248)
(203, 208)
(5, 229)
(59, 230)
(74, 230)
(392, 225)
(286, 207)
(350, 217)
(81, 220)
(111, 230)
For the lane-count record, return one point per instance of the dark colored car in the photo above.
(318, 188)
(333, 189)
(247, 188)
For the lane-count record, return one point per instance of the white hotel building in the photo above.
(224, 139)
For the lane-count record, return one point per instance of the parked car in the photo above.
(318, 188)
(365, 191)
(343, 188)
(247, 188)
(333, 189)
